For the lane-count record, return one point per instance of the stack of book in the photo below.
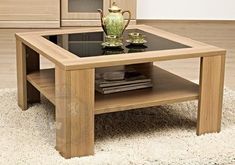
(120, 81)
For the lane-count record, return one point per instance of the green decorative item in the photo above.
(114, 23)
(136, 39)
(112, 41)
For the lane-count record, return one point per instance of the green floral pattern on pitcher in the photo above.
(114, 23)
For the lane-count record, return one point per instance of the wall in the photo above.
(186, 9)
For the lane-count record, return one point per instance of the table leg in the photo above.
(27, 61)
(211, 94)
(75, 112)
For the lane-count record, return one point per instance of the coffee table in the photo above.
(77, 55)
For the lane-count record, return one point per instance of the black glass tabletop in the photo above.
(90, 44)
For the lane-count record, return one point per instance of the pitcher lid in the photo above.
(114, 8)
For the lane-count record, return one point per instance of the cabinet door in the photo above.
(13, 10)
(83, 9)
(130, 5)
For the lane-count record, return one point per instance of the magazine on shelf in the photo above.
(123, 88)
(131, 80)
(126, 81)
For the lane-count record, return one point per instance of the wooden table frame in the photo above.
(70, 86)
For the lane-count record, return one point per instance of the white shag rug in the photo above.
(160, 135)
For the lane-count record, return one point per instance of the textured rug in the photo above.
(159, 135)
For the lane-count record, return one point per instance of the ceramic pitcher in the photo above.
(114, 23)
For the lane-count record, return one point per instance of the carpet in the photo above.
(159, 135)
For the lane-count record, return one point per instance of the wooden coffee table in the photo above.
(77, 54)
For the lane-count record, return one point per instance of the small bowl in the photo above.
(136, 38)
(137, 42)
(113, 40)
(136, 34)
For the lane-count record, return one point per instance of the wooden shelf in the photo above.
(44, 81)
(168, 88)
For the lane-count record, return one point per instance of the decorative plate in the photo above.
(136, 43)
(106, 44)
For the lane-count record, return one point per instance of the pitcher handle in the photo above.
(129, 19)
(102, 20)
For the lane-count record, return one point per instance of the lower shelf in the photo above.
(44, 81)
(168, 88)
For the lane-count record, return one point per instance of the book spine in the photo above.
(125, 86)
(126, 89)
(103, 85)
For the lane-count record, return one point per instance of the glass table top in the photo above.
(89, 44)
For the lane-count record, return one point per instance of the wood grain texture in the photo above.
(218, 33)
(202, 31)
(44, 81)
(82, 112)
(70, 85)
(32, 65)
(21, 75)
(211, 94)
(74, 112)
(135, 58)
(69, 61)
(162, 93)
(48, 49)
(63, 112)
(168, 88)
(12, 12)
(27, 62)
(29, 24)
